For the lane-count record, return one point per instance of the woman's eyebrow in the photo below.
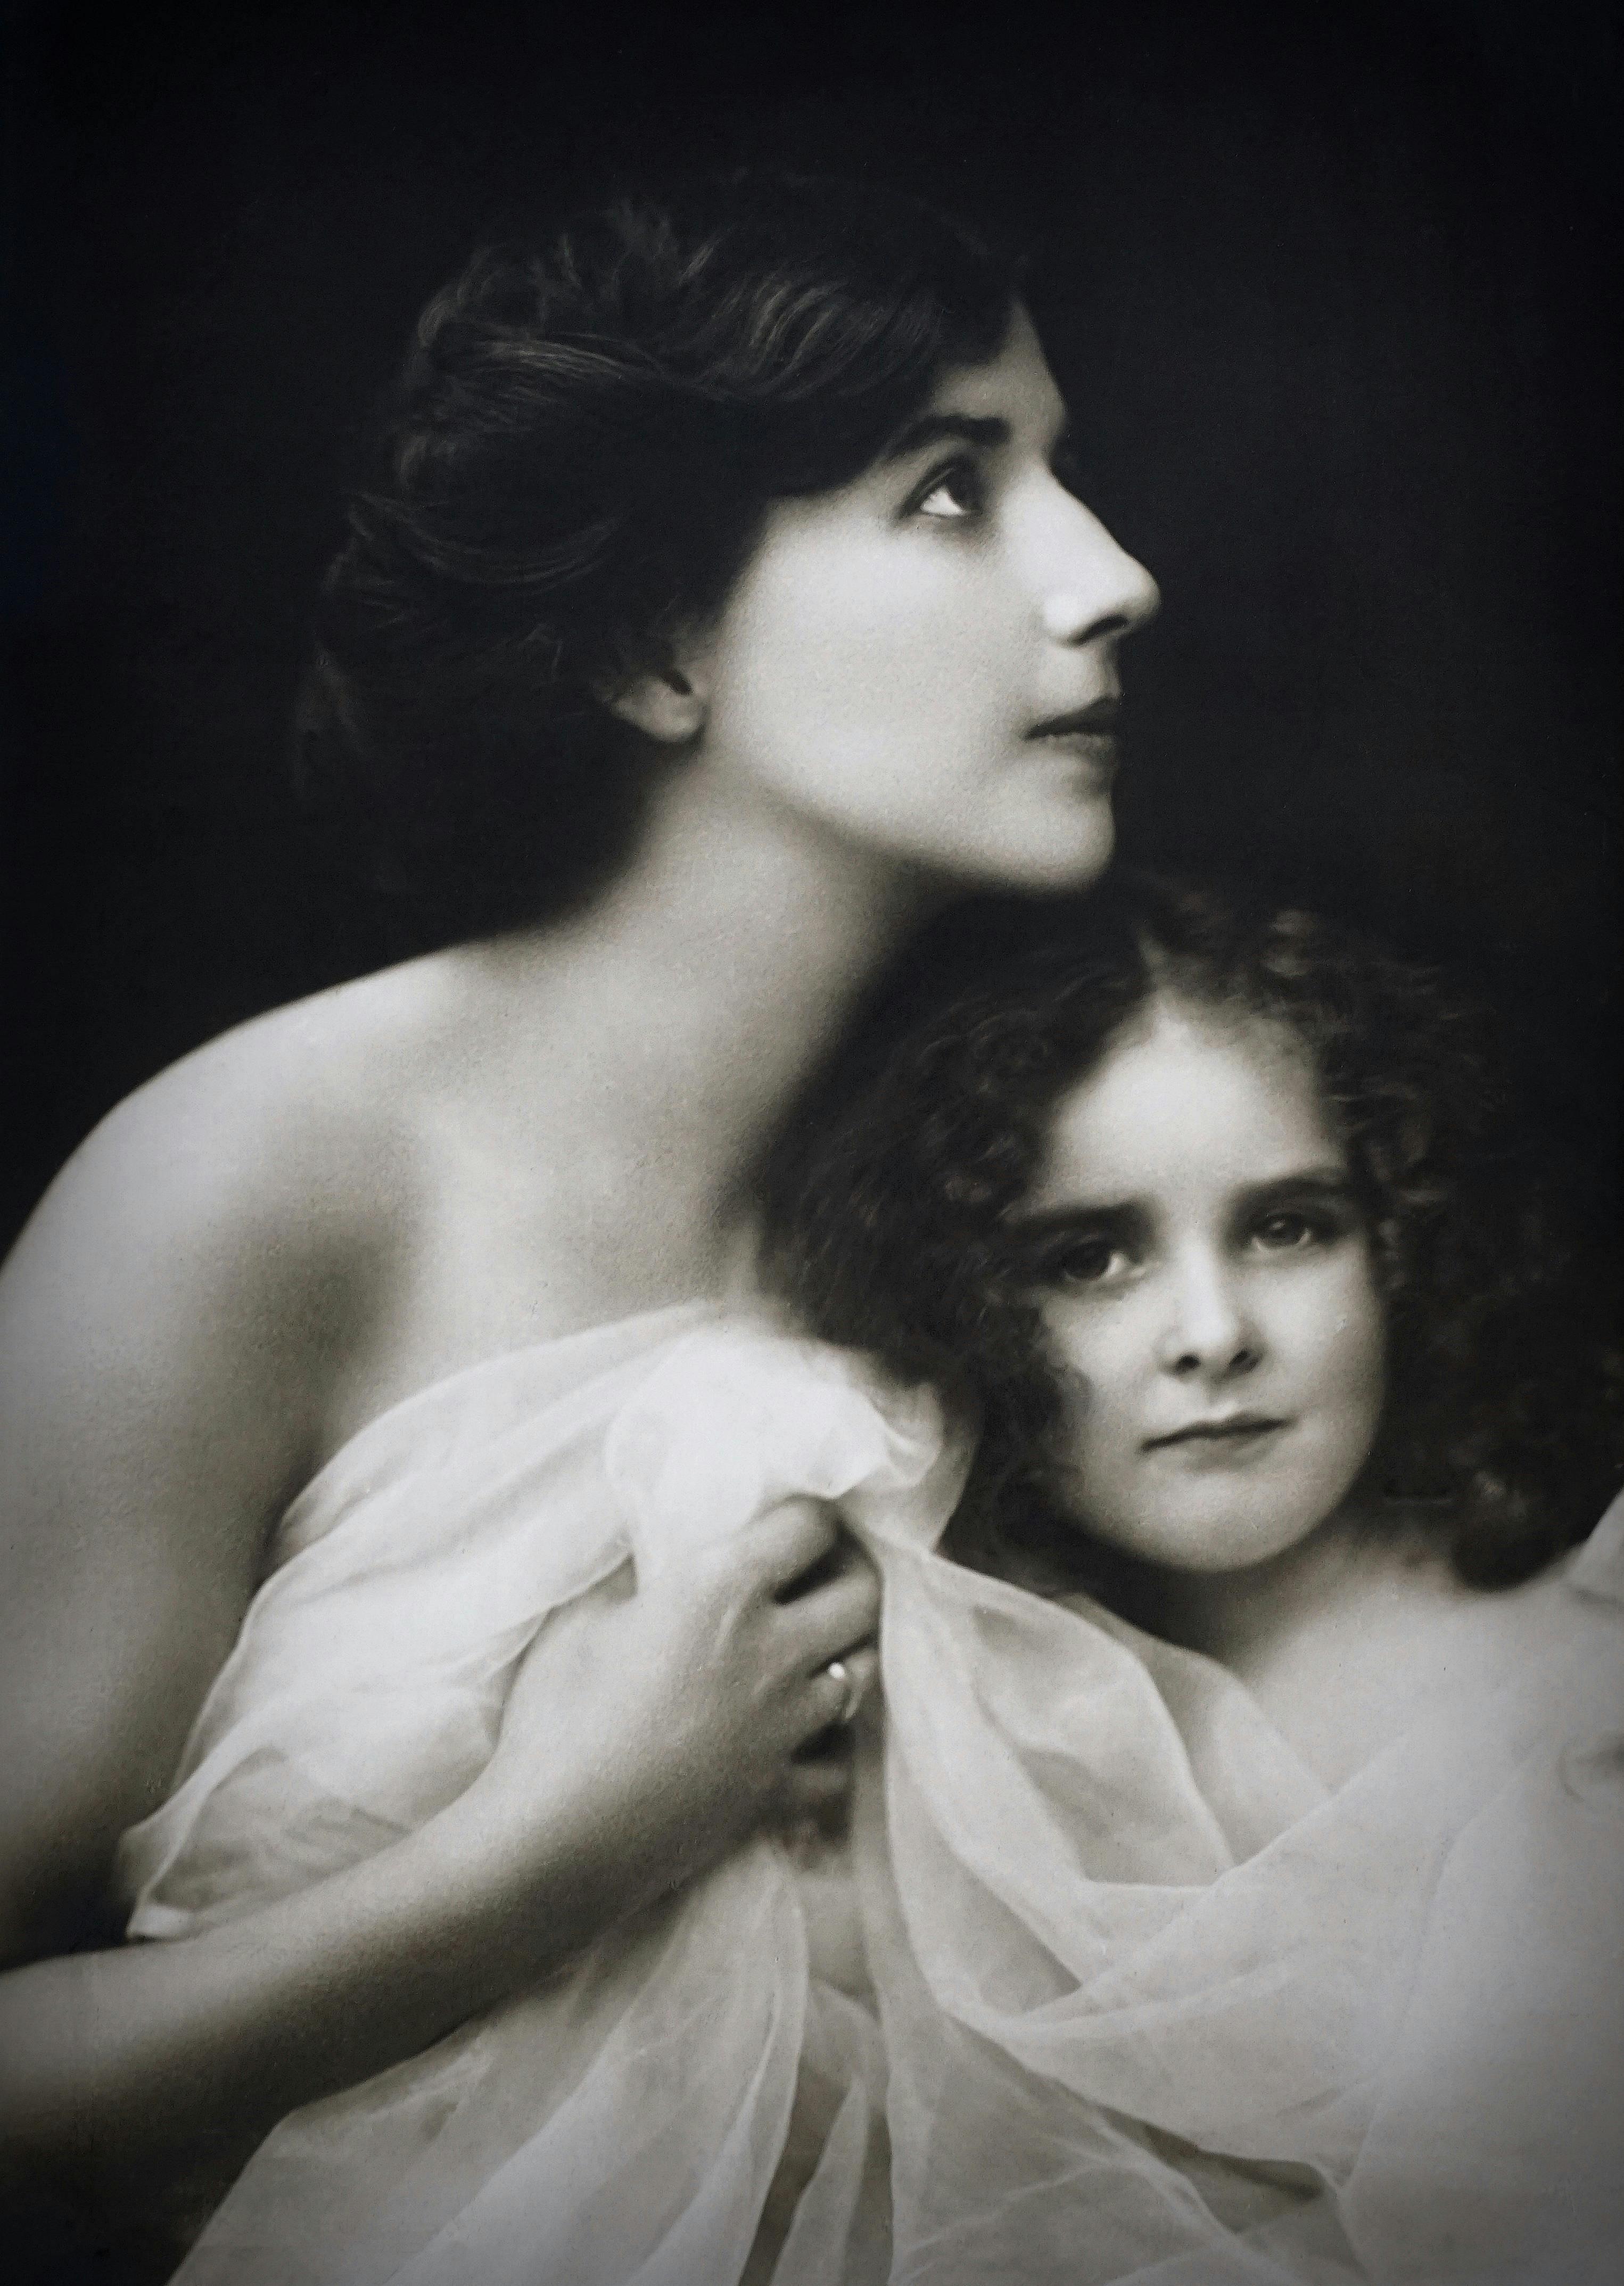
(984, 430)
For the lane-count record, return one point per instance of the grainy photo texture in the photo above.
(810, 1392)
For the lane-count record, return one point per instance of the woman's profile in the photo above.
(721, 611)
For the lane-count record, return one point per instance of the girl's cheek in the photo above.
(1365, 1318)
(1355, 1349)
(1109, 1356)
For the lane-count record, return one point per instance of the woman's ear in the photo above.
(668, 703)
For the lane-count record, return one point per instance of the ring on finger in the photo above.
(839, 1672)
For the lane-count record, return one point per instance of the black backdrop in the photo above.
(1331, 289)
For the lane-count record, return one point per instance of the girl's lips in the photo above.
(1242, 1434)
(1228, 1425)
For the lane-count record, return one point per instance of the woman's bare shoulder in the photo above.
(193, 1276)
(171, 1324)
(290, 1131)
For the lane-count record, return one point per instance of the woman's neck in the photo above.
(691, 1001)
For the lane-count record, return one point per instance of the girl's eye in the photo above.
(953, 494)
(1288, 1232)
(1090, 1262)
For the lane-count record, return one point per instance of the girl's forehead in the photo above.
(1173, 1035)
(1186, 1089)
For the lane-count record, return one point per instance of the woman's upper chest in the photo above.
(550, 1155)
(501, 1235)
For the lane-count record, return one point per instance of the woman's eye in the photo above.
(953, 494)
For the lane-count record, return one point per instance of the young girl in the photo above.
(718, 611)
(1304, 1962)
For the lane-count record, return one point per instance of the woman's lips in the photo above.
(1101, 720)
(1088, 736)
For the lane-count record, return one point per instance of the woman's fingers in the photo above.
(786, 1542)
(825, 1610)
(815, 1784)
(842, 1684)
(829, 1620)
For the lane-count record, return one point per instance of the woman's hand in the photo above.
(663, 1723)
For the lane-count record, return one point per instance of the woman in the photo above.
(722, 612)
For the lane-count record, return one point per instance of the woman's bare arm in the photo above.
(123, 2068)
(164, 1323)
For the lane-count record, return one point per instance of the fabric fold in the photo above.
(1152, 2004)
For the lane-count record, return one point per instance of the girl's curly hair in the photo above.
(891, 1215)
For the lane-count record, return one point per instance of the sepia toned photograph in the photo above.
(811, 1387)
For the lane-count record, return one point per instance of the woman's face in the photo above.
(1206, 1285)
(923, 662)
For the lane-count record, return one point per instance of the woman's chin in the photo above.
(1069, 854)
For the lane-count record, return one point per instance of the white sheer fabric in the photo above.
(1154, 2006)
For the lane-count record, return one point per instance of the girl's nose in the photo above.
(1209, 1334)
(1093, 586)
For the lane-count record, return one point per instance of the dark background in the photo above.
(1331, 290)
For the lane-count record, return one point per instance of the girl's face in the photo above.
(1205, 1280)
(923, 662)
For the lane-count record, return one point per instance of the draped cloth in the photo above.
(1152, 2004)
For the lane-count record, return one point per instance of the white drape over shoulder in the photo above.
(1154, 2005)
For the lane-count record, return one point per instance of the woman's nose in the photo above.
(1209, 1334)
(1092, 586)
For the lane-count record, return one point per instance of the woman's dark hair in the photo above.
(580, 455)
(892, 1221)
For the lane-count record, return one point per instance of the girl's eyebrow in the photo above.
(1330, 1183)
(986, 431)
(1054, 1221)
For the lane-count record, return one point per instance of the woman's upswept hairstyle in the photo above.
(892, 1219)
(577, 461)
